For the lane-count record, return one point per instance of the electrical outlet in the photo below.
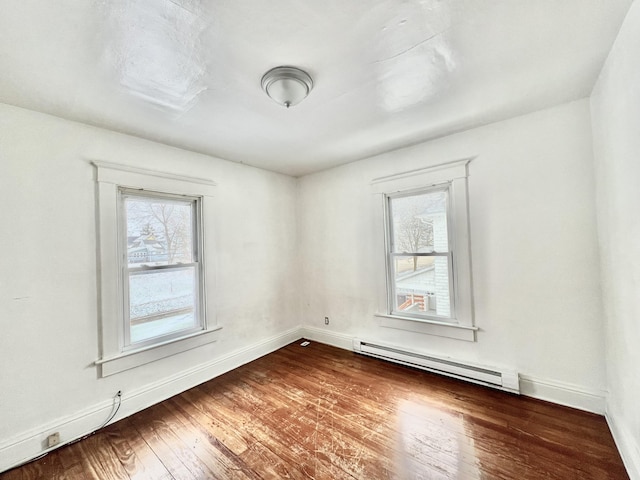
(53, 439)
(326, 320)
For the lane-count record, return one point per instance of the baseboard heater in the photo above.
(500, 379)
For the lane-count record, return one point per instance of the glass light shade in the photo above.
(287, 86)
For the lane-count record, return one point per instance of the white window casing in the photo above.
(452, 178)
(117, 353)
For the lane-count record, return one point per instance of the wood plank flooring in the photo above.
(318, 412)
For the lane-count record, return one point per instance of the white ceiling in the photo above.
(387, 72)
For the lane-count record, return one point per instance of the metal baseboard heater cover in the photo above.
(482, 375)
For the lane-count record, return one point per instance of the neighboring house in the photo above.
(427, 289)
(146, 248)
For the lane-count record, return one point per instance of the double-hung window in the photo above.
(155, 232)
(419, 262)
(425, 272)
(161, 269)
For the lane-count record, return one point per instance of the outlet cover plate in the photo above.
(53, 439)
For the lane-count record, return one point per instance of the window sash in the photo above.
(420, 254)
(389, 240)
(140, 269)
(129, 322)
(146, 268)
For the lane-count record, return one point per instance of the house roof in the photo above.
(419, 282)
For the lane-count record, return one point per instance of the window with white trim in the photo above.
(425, 272)
(156, 294)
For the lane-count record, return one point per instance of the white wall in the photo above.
(534, 251)
(535, 256)
(615, 105)
(48, 279)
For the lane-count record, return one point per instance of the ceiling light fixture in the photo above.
(287, 85)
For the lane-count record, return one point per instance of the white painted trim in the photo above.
(590, 400)
(429, 327)
(30, 444)
(110, 177)
(455, 174)
(104, 167)
(628, 448)
(335, 339)
(135, 358)
(421, 177)
(562, 393)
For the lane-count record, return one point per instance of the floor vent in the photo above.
(501, 379)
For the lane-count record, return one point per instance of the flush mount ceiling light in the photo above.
(287, 85)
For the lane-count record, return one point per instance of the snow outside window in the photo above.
(156, 296)
(161, 268)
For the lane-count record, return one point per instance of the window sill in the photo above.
(428, 327)
(135, 358)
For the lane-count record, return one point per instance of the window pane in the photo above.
(162, 302)
(419, 223)
(159, 231)
(422, 287)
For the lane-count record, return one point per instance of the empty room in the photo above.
(320, 240)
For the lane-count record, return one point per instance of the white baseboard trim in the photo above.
(569, 395)
(334, 339)
(556, 392)
(627, 446)
(31, 444)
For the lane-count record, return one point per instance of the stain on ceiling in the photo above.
(386, 73)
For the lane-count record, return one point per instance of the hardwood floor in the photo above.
(323, 413)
